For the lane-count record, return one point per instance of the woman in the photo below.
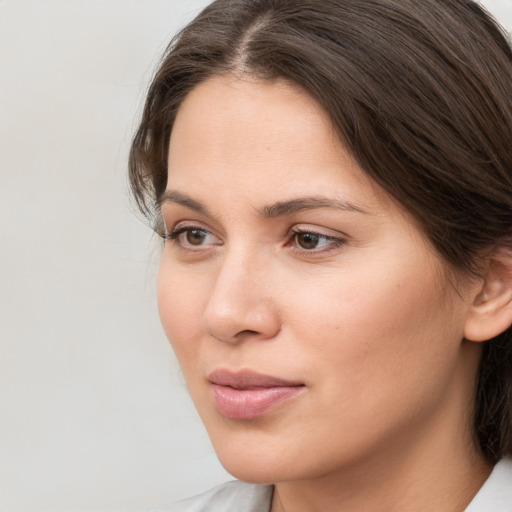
(333, 182)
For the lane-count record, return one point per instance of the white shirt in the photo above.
(494, 496)
(496, 493)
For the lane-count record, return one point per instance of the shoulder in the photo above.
(496, 493)
(230, 497)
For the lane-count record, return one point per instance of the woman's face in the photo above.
(313, 322)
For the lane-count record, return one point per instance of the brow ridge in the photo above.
(173, 196)
(277, 209)
(282, 208)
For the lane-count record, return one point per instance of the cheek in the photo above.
(180, 302)
(381, 351)
(380, 327)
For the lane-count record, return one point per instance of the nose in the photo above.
(241, 304)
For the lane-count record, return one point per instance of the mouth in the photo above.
(247, 395)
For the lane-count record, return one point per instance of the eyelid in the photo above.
(335, 238)
(186, 224)
(183, 227)
(318, 230)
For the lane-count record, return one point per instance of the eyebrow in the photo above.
(277, 209)
(172, 196)
(281, 208)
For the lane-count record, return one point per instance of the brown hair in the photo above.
(419, 91)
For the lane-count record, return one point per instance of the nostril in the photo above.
(248, 332)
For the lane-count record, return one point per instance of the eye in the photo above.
(190, 237)
(195, 236)
(307, 241)
(315, 242)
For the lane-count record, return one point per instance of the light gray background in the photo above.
(94, 415)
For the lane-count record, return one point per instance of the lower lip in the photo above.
(249, 404)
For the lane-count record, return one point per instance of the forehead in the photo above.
(249, 118)
(259, 136)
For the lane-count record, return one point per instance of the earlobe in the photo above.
(491, 311)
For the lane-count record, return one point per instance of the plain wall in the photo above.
(94, 414)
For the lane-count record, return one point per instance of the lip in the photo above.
(247, 395)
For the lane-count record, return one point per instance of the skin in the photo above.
(367, 319)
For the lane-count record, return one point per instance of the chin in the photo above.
(260, 471)
(266, 460)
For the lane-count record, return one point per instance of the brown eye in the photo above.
(195, 236)
(307, 241)
(192, 238)
(316, 242)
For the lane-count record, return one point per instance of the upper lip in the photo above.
(248, 379)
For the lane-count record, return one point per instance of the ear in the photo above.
(491, 311)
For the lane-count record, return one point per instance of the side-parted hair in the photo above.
(420, 91)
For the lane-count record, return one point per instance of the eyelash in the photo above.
(174, 235)
(333, 241)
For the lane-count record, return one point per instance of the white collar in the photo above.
(496, 493)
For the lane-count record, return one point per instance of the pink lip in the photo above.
(247, 395)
